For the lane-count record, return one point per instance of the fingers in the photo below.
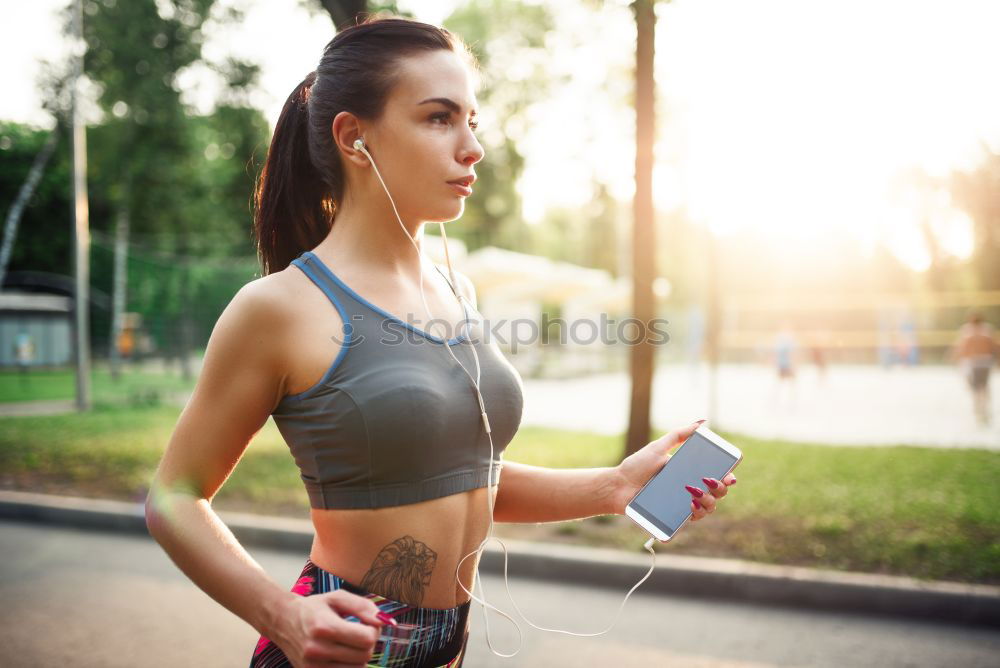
(671, 439)
(359, 636)
(329, 650)
(347, 603)
(348, 636)
(697, 510)
(686, 432)
(705, 501)
(715, 487)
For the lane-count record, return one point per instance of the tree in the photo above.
(134, 52)
(643, 239)
(177, 182)
(24, 194)
(978, 193)
(503, 35)
(43, 244)
(346, 13)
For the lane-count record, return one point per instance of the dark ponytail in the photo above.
(296, 196)
(294, 207)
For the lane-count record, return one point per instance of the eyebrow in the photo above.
(451, 104)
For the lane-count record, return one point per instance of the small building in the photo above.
(36, 329)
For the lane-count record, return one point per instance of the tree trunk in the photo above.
(184, 340)
(23, 196)
(644, 238)
(344, 13)
(120, 280)
(713, 326)
(81, 232)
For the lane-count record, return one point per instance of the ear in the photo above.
(345, 129)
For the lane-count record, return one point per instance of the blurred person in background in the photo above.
(24, 353)
(784, 351)
(819, 345)
(976, 351)
(907, 345)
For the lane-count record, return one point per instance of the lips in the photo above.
(465, 180)
(462, 190)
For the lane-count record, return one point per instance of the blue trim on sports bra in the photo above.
(361, 300)
(343, 347)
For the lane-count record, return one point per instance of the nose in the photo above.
(472, 151)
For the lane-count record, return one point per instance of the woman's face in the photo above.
(423, 141)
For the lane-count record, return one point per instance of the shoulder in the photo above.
(258, 315)
(266, 299)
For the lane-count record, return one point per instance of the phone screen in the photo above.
(664, 501)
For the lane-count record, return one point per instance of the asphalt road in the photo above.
(85, 598)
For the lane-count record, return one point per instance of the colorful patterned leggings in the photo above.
(425, 637)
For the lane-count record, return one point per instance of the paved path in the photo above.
(40, 407)
(87, 598)
(852, 405)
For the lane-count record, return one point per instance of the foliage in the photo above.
(44, 242)
(501, 33)
(978, 193)
(184, 180)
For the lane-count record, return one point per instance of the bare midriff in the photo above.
(407, 553)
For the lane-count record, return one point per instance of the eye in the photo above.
(446, 116)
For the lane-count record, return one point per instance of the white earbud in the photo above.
(359, 144)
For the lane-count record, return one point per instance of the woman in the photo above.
(379, 418)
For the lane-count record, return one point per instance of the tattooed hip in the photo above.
(424, 637)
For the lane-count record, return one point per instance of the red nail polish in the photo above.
(710, 482)
(694, 490)
(733, 482)
(696, 504)
(386, 619)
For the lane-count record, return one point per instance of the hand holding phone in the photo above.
(663, 505)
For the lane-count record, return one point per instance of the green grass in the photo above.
(926, 512)
(113, 451)
(905, 510)
(132, 386)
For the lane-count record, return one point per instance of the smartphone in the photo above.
(663, 506)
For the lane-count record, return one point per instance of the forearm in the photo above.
(538, 494)
(205, 549)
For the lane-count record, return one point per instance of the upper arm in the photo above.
(239, 385)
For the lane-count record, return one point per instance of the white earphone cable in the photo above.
(360, 146)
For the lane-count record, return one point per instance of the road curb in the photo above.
(728, 579)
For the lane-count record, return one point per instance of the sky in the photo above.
(785, 116)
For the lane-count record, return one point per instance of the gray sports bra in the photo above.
(394, 420)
